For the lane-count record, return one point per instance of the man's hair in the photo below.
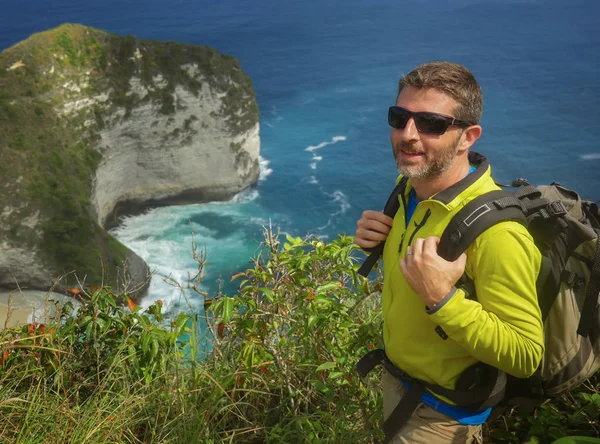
(453, 80)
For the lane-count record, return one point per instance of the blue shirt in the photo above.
(463, 416)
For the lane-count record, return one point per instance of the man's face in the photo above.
(424, 156)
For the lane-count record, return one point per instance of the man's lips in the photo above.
(410, 155)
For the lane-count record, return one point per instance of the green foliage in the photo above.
(280, 367)
(82, 347)
(49, 158)
(97, 362)
(293, 336)
(573, 414)
(64, 43)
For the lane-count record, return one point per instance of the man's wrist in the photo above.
(435, 306)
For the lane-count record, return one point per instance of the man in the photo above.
(432, 331)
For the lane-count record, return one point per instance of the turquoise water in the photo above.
(325, 73)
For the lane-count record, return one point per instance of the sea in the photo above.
(325, 72)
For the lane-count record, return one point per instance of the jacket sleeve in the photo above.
(503, 327)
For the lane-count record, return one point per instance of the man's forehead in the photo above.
(425, 99)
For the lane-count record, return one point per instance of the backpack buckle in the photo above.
(556, 209)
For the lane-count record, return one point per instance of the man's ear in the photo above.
(469, 137)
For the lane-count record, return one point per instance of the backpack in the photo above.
(566, 230)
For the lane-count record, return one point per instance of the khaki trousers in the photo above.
(426, 425)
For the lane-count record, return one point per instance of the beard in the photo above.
(430, 165)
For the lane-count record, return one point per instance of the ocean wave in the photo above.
(317, 158)
(167, 259)
(313, 166)
(335, 139)
(258, 221)
(246, 196)
(590, 156)
(342, 200)
(313, 180)
(265, 171)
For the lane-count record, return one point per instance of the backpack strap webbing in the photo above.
(390, 209)
(479, 393)
(588, 311)
(477, 216)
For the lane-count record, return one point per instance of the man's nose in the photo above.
(410, 131)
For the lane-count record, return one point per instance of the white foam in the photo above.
(335, 139)
(265, 171)
(591, 156)
(163, 238)
(313, 166)
(258, 221)
(317, 158)
(165, 257)
(246, 196)
(344, 205)
(313, 180)
(342, 199)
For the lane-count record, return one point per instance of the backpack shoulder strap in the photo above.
(477, 216)
(390, 209)
(588, 311)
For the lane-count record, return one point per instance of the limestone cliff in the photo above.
(93, 125)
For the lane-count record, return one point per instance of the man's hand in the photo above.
(430, 276)
(372, 228)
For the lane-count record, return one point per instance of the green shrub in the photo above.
(279, 368)
(293, 337)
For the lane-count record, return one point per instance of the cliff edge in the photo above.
(93, 125)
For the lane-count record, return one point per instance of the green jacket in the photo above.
(503, 327)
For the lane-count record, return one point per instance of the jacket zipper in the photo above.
(405, 206)
(419, 225)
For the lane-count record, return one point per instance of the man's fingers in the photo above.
(372, 228)
(462, 260)
(373, 225)
(430, 245)
(378, 216)
(363, 243)
(370, 235)
(417, 247)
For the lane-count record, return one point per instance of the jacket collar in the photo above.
(448, 197)
(449, 194)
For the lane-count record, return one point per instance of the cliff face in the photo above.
(189, 156)
(93, 125)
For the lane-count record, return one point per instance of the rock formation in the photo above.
(93, 125)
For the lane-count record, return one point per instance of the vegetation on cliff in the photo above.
(280, 366)
(50, 118)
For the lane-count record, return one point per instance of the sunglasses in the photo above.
(427, 123)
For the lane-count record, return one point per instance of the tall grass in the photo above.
(279, 368)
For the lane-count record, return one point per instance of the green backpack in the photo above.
(566, 230)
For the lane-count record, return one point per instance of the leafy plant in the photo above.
(279, 368)
(300, 321)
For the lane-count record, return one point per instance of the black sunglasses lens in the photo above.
(431, 124)
(427, 123)
(398, 117)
